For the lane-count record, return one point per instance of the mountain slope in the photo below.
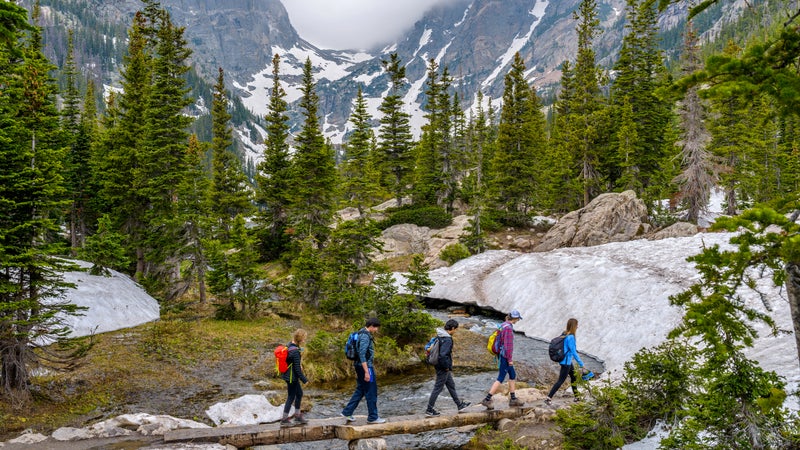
(475, 39)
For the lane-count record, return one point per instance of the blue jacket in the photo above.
(570, 351)
(366, 348)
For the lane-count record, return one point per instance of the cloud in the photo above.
(355, 24)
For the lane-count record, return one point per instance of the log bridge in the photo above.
(336, 428)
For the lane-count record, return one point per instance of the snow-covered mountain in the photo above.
(475, 39)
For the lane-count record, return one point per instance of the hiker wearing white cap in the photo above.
(506, 362)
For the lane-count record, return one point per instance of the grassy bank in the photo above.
(182, 363)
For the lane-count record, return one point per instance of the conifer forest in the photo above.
(127, 181)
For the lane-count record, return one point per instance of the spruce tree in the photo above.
(273, 179)
(431, 149)
(314, 177)
(193, 219)
(639, 73)
(521, 145)
(580, 108)
(394, 137)
(31, 194)
(77, 162)
(230, 194)
(359, 180)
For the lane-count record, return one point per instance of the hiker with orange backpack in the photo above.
(293, 375)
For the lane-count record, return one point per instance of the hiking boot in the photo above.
(378, 420)
(349, 418)
(298, 418)
(286, 421)
(487, 403)
(430, 412)
(515, 402)
(463, 405)
(548, 401)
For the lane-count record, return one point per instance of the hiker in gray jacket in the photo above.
(444, 369)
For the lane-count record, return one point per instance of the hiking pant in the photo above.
(505, 368)
(443, 378)
(566, 369)
(295, 395)
(368, 389)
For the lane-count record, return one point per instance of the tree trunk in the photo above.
(793, 292)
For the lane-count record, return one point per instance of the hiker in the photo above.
(444, 369)
(293, 376)
(506, 366)
(366, 384)
(567, 368)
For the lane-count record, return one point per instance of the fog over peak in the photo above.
(356, 24)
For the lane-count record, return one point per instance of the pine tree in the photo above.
(478, 139)
(104, 249)
(698, 175)
(360, 188)
(117, 160)
(31, 194)
(314, 178)
(273, 180)
(640, 72)
(193, 220)
(77, 162)
(230, 195)
(580, 107)
(521, 144)
(394, 136)
(87, 140)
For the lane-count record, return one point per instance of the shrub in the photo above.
(454, 253)
(426, 216)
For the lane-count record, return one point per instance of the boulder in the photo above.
(608, 218)
(408, 239)
(678, 229)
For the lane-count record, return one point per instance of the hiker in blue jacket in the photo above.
(366, 384)
(444, 369)
(293, 377)
(570, 353)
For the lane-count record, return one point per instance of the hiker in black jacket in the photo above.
(293, 376)
(444, 369)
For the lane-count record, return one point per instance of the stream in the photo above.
(408, 394)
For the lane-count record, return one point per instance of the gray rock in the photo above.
(368, 444)
(608, 218)
(678, 229)
(71, 434)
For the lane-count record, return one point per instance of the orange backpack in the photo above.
(281, 352)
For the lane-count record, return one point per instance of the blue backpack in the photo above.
(432, 351)
(351, 346)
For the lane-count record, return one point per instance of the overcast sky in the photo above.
(355, 24)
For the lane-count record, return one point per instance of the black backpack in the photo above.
(556, 349)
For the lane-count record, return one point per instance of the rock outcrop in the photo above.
(407, 239)
(608, 218)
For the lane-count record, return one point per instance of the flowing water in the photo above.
(408, 394)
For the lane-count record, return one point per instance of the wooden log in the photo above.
(336, 428)
(417, 424)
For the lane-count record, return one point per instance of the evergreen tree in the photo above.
(117, 160)
(104, 249)
(192, 220)
(580, 108)
(521, 145)
(314, 178)
(360, 187)
(77, 162)
(273, 180)
(230, 195)
(31, 194)
(640, 72)
(432, 151)
(394, 137)
(478, 138)
(418, 281)
(698, 175)
(86, 141)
